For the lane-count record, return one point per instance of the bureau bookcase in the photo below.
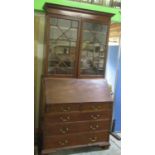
(76, 105)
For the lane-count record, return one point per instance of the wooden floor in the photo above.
(114, 149)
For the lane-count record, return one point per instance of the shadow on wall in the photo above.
(39, 24)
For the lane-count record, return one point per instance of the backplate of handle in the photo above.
(63, 142)
(65, 109)
(95, 116)
(64, 130)
(94, 127)
(95, 107)
(94, 139)
(64, 119)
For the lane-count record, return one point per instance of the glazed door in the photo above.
(93, 49)
(62, 46)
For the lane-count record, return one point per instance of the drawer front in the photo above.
(62, 107)
(76, 116)
(76, 127)
(95, 106)
(74, 139)
(70, 107)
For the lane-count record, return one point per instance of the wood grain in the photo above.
(76, 116)
(53, 129)
(74, 139)
(75, 110)
(76, 90)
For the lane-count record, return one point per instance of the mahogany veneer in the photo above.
(76, 105)
(70, 119)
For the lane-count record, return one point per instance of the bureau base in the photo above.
(73, 118)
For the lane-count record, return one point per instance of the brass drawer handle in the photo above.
(65, 109)
(64, 130)
(63, 142)
(65, 119)
(95, 117)
(94, 107)
(94, 127)
(94, 139)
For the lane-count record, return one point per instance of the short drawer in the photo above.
(76, 127)
(68, 107)
(74, 139)
(76, 116)
(95, 106)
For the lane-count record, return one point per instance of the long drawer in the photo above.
(75, 127)
(68, 107)
(74, 139)
(76, 116)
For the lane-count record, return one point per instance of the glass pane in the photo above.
(93, 49)
(88, 1)
(62, 46)
(98, 2)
